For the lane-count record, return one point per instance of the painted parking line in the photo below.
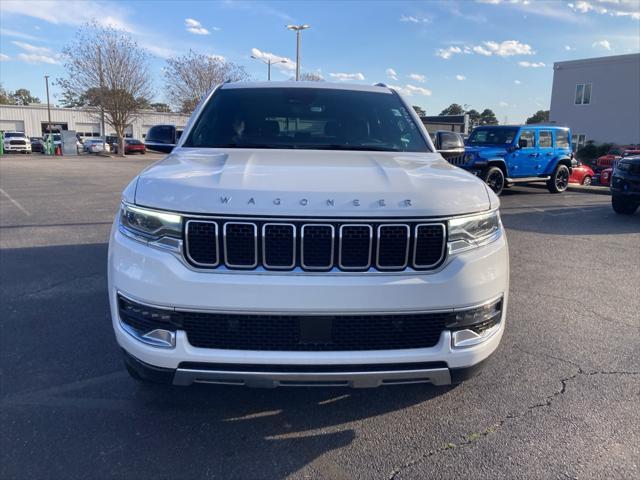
(15, 202)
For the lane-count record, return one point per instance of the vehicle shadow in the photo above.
(65, 394)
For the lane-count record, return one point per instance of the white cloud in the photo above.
(35, 58)
(507, 48)
(4, 58)
(602, 44)
(532, 64)
(221, 58)
(391, 73)
(408, 90)
(503, 104)
(568, 48)
(195, 27)
(460, 77)
(418, 78)
(517, 82)
(283, 63)
(613, 8)
(347, 76)
(448, 52)
(27, 47)
(414, 19)
(16, 34)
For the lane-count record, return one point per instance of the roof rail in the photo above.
(380, 84)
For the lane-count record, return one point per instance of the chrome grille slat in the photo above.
(348, 245)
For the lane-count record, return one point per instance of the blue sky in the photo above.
(495, 54)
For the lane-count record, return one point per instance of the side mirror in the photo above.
(161, 138)
(574, 163)
(522, 143)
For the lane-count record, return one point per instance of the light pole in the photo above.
(269, 62)
(50, 138)
(298, 29)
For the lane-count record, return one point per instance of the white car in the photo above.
(307, 235)
(95, 145)
(16, 142)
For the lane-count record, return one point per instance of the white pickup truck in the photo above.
(307, 234)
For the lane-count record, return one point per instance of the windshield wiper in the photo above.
(364, 148)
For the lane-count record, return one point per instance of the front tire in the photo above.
(559, 180)
(495, 179)
(586, 181)
(623, 206)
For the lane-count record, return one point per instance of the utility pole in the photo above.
(49, 140)
(298, 29)
(104, 131)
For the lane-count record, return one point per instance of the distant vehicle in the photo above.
(56, 138)
(505, 155)
(37, 144)
(625, 185)
(604, 178)
(16, 142)
(581, 174)
(131, 145)
(450, 145)
(162, 138)
(96, 145)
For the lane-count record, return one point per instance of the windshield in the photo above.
(306, 118)
(14, 135)
(492, 136)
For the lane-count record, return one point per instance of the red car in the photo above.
(605, 177)
(132, 145)
(582, 175)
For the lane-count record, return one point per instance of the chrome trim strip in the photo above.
(186, 240)
(436, 376)
(255, 245)
(298, 312)
(406, 253)
(415, 243)
(363, 267)
(333, 237)
(264, 247)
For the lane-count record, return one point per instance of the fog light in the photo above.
(473, 326)
(150, 325)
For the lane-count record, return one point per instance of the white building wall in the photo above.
(613, 114)
(32, 117)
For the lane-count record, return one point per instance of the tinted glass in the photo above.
(579, 90)
(492, 136)
(527, 136)
(586, 97)
(562, 139)
(13, 134)
(306, 118)
(544, 139)
(161, 134)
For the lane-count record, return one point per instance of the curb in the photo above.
(590, 189)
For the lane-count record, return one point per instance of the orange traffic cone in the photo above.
(58, 151)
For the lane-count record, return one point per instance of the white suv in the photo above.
(307, 234)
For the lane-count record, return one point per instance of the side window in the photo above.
(544, 139)
(562, 139)
(527, 139)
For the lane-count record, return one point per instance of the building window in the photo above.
(578, 140)
(583, 94)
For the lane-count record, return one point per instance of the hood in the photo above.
(309, 182)
(486, 152)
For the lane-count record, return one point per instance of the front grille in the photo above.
(17, 142)
(458, 160)
(291, 332)
(346, 246)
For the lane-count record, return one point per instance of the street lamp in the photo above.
(269, 62)
(297, 29)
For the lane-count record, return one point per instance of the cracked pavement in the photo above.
(559, 399)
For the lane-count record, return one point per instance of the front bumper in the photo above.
(17, 148)
(160, 278)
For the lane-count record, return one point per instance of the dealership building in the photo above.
(33, 121)
(598, 98)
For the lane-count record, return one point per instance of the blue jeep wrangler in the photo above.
(505, 155)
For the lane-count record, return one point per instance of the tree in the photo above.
(22, 96)
(474, 118)
(160, 107)
(487, 117)
(420, 111)
(5, 97)
(540, 116)
(190, 77)
(453, 109)
(108, 72)
(311, 77)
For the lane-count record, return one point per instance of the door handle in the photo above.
(533, 154)
(549, 154)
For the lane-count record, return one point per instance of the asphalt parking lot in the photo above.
(559, 399)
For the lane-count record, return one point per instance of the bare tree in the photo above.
(110, 72)
(311, 77)
(190, 77)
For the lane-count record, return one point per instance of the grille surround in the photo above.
(339, 254)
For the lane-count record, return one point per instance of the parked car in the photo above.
(131, 145)
(16, 142)
(162, 138)
(625, 185)
(505, 155)
(309, 235)
(37, 144)
(55, 138)
(581, 174)
(96, 145)
(450, 145)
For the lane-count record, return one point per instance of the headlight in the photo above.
(470, 232)
(150, 224)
